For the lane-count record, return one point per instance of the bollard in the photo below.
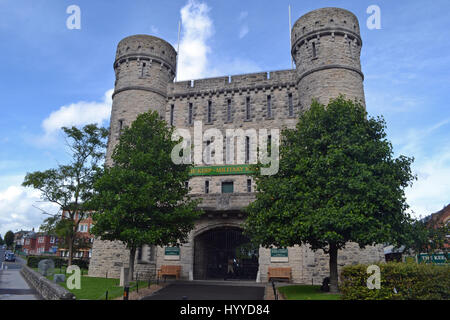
(126, 293)
(274, 290)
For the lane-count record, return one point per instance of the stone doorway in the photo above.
(224, 253)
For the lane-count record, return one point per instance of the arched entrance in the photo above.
(224, 253)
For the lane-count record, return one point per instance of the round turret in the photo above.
(326, 47)
(144, 67)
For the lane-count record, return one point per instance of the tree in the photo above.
(428, 236)
(142, 199)
(9, 239)
(70, 186)
(338, 182)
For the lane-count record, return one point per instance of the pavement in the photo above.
(209, 291)
(12, 285)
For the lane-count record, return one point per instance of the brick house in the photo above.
(440, 218)
(40, 243)
(83, 233)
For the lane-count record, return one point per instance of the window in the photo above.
(247, 109)
(41, 240)
(247, 149)
(52, 239)
(291, 105)
(186, 184)
(249, 185)
(208, 151)
(229, 110)
(142, 69)
(209, 111)
(139, 254)
(314, 49)
(269, 106)
(206, 186)
(227, 187)
(172, 110)
(120, 132)
(190, 113)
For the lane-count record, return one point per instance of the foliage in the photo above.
(33, 261)
(399, 281)
(337, 182)
(70, 186)
(428, 237)
(306, 292)
(9, 238)
(142, 199)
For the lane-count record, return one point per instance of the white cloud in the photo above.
(243, 15)
(431, 150)
(17, 211)
(243, 32)
(197, 28)
(76, 114)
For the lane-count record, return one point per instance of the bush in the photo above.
(399, 281)
(33, 261)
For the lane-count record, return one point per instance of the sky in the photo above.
(53, 76)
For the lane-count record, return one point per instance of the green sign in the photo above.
(279, 253)
(221, 170)
(437, 258)
(172, 251)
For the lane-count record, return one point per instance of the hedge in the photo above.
(399, 281)
(33, 261)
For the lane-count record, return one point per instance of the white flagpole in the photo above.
(178, 49)
(290, 36)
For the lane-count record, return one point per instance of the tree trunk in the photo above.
(70, 240)
(333, 268)
(131, 264)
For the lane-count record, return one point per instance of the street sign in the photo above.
(435, 258)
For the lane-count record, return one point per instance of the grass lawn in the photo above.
(95, 288)
(306, 292)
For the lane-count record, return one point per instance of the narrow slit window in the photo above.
(190, 113)
(314, 52)
(229, 110)
(120, 126)
(247, 109)
(209, 112)
(143, 69)
(172, 111)
(206, 186)
(290, 105)
(247, 149)
(269, 106)
(208, 151)
(249, 185)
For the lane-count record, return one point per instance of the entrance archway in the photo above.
(224, 253)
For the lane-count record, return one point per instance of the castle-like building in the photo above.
(326, 47)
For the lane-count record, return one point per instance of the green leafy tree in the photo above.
(142, 198)
(9, 239)
(337, 183)
(71, 186)
(428, 237)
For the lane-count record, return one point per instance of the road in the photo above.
(197, 291)
(12, 285)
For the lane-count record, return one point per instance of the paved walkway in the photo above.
(205, 291)
(12, 285)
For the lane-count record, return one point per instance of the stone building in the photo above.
(326, 47)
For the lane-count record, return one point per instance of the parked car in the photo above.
(9, 256)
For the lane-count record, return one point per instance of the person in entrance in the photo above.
(230, 268)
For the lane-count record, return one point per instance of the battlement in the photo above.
(240, 82)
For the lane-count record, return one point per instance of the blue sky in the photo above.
(52, 76)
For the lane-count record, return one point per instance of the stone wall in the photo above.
(46, 288)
